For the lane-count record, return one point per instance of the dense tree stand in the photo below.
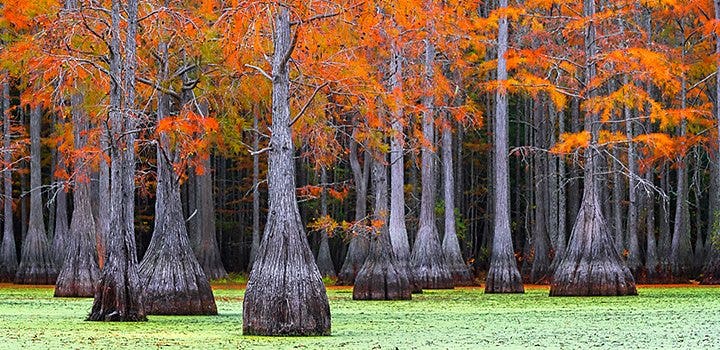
(354, 259)
(382, 277)
(8, 254)
(285, 294)
(37, 264)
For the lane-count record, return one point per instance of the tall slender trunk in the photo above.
(680, 247)
(206, 247)
(430, 269)
(651, 261)
(591, 265)
(358, 248)
(61, 228)
(633, 245)
(540, 271)
(37, 265)
(8, 254)
(118, 296)
(711, 272)
(397, 228)
(285, 294)
(503, 275)
(255, 189)
(450, 244)
(324, 259)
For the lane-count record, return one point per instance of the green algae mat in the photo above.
(660, 317)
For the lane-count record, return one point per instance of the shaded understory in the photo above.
(686, 317)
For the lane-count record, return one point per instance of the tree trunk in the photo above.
(591, 265)
(503, 275)
(382, 276)
(8, 253)
(37, 265)
(562, 203)
(61, 236)
(681, 247)
(633, 245)
(665, 236)
(358, 248)
(118, 296)
(430, 269)
(324, 260)
(206, 248)
(651, 261)
(540, 272)
(711, 272)
(80, 271)
(174, 281)
(285, 294)
(256, 190)
(451, 247)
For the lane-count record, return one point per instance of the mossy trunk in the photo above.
(37, 263)
(80, 271)
(285, 294)
(382, 276)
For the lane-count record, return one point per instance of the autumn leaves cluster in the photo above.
(344, 69)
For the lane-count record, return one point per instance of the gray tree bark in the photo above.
(174, 281)
(540, 271)
(256, 190)
(451, 246)
(427, 262)
(711, 272)
(118, 296)
(651, 260)
(61, 227)
(37, 265)
(8, 253)
(591, 265)
(358, 248)
(633, 244)
(285, 294)
(324, 259)
(382, 276)
(503, 275)
(80, 271)
(681, 247)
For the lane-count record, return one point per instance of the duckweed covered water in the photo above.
(679, 317)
